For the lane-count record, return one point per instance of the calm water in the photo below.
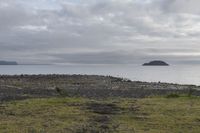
(171, 74)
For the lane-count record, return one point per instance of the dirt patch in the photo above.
(101, 120)
(103, 108)
(197, 120)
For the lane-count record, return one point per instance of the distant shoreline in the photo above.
(8, 63)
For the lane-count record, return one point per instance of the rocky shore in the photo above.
(18, 87)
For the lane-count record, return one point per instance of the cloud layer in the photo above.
(99, 31)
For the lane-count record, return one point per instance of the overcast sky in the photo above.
(100, 31)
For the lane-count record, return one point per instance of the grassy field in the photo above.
(117, 115)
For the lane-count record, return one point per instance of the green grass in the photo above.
(80, 115)
(162, 115)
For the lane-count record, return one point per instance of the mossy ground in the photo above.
(117, 115)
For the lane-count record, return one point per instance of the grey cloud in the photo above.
(100, 31)
(111, 57)
(180, 6)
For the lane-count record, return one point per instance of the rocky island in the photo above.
(156, 63)
(8, 63)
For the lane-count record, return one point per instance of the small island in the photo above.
(8, 63)
(156, 63)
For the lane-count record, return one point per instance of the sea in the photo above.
(178, 74)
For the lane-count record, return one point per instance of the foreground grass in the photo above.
(117, 115)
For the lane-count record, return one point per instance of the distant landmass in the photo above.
(8, 63)
(156, 63)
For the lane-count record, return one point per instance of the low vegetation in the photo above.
(96, 104)
(111, 115)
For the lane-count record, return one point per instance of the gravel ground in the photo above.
(91, 86)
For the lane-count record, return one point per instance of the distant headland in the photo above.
(8, 63)
(156, 63)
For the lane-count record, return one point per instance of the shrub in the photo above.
(190, 92)
(173, 95)
(61, 92)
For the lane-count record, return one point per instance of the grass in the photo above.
(117, 115)
(162, 115)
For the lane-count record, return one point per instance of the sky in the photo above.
(100, 31)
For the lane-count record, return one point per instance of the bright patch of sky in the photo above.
(41, 4)
(34, 28)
